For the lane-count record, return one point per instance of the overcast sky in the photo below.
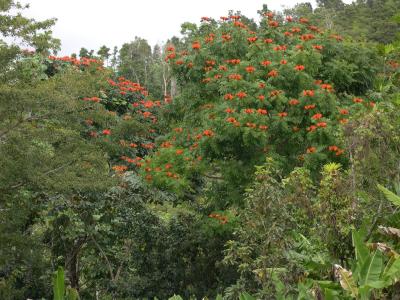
(92, 23)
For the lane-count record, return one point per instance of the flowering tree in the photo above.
(283, 89)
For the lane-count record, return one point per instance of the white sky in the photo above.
(92, 23)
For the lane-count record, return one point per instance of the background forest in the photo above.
(241, 160)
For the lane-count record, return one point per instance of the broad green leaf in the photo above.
(58, 284)
(371, 269)
(392, 274)
(279, 287)
(361, 249)
(330, 294)
(219, 297)
(379, 284)
(390, 195)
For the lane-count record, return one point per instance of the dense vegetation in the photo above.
(241, 160)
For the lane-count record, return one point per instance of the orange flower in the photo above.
(262, 111)
(316, 116)
(317, 47)
(339, 152)
(294, 102)
(321, 124)
(147, 114)
(235, 76)
(223, 68)
(228, 97)
(266, 63)
(327, 87)
(231, 120)
(311, 128)
(196, 45)
(229, 110)
(106, 131)
(120, 169)
(179, 151)
(283, 62)
(273, 73)
(251, 125)
(263, 127)
(282, 114)
(261, 97)
(249, 110)
(132, 145)
(344, 111)
(233, 61)
(309, 93)
(311, 149)
(208, 132)
(358, 100)
(273, 23)
(241, 95)
(299, 68)
(226, 37)
(268, 41)
(333, 148)
(250, 69)
(303, 20)
(308, 107)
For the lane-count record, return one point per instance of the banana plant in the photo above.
(371, 270)
(59, 290)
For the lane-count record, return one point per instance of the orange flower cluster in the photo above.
(222, 219)
(93, 99)
(84, 61)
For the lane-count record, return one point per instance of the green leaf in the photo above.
(58, 284)
(390, 195)
(392, 274)
(246, 296)
(279, 287)
(175, 297)
(361, 249)
(371, 269)
(330, 294)
(219, 297)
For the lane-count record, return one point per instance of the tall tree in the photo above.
(104, 53)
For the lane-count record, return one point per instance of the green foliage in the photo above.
(247, 179)
(274, 89)
(390, 195)
(59, 290)
(372, 271)
(373, 20)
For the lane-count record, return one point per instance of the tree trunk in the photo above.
(72, 263)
